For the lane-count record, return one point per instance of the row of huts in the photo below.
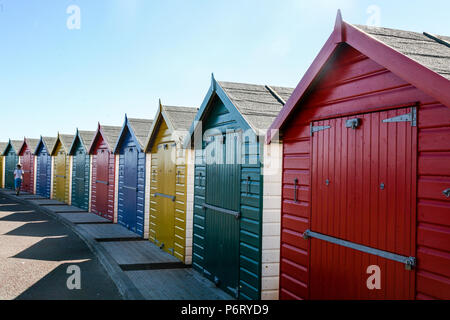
(272, 192)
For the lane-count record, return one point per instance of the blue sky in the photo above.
(129, 53)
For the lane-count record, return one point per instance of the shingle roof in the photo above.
(66, 140)
(141, 128)
(258, 104)
(17, 144)
(87, 137)
(180, 117)
(3, 147)
(417, 46)
(110, 135)
(49, 143)
(32, 144)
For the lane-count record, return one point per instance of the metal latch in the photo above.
(353, 123)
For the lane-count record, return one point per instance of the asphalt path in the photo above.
(39, 257)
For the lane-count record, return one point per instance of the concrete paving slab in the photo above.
(61, 209)
(140, 255)
(31, 197)
(176, 284)
(47, 202)
(83, 217)
(109, 232)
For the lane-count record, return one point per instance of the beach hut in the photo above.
(11, 154)
(131, 191)
(62, 168)
(236, 231)
(27, 160)
(2, 165)
(366, 184)
(104, 172)
(44, 166)
(81, 168)
(170, 182)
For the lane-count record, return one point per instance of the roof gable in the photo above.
(84, 137)
(47, 142)
(177, 119)
(256, 105)
(65, 140)
(138, 129)
(15, 145)
(109, 134)
(3, 146)
(30, 143)
(369, 42)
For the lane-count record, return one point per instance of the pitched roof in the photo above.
(3, 147)
(178, 120)
(258, 104)
(32, 144)
(180, 117)
(111, 134)
(87, 137)
(408, 55)
(49, 143)
(17, 145)
(141, 129)
(417, 46)
(66, 142)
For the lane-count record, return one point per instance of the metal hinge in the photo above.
(409, 117)
(318, 128)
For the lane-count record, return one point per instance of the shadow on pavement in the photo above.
(24, 216)
(94, 285)
(38, 229)
(56, 249)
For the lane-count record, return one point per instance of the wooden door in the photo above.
(166, 197)
(363, 192)
(102, 182)
(130, 188)
(222, 214)
(60, 175)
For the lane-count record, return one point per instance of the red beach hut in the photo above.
(27, 160)
(104, 172)
(366, 183)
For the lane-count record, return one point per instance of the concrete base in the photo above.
(83, 218)
(63, 209)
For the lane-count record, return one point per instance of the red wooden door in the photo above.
(102, 182)
(363, 191)
(27, 169)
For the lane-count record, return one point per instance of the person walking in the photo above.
(18, 177)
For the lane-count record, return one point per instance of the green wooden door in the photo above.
(11, 160)
(79, 179)
(222, 210)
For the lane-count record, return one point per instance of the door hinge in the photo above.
(318, 128)
(409, 117)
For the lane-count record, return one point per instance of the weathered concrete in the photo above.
(144, 253)
(109, 232)
(46, 202)
(83, 217)
(177, 284)
(61, 209)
